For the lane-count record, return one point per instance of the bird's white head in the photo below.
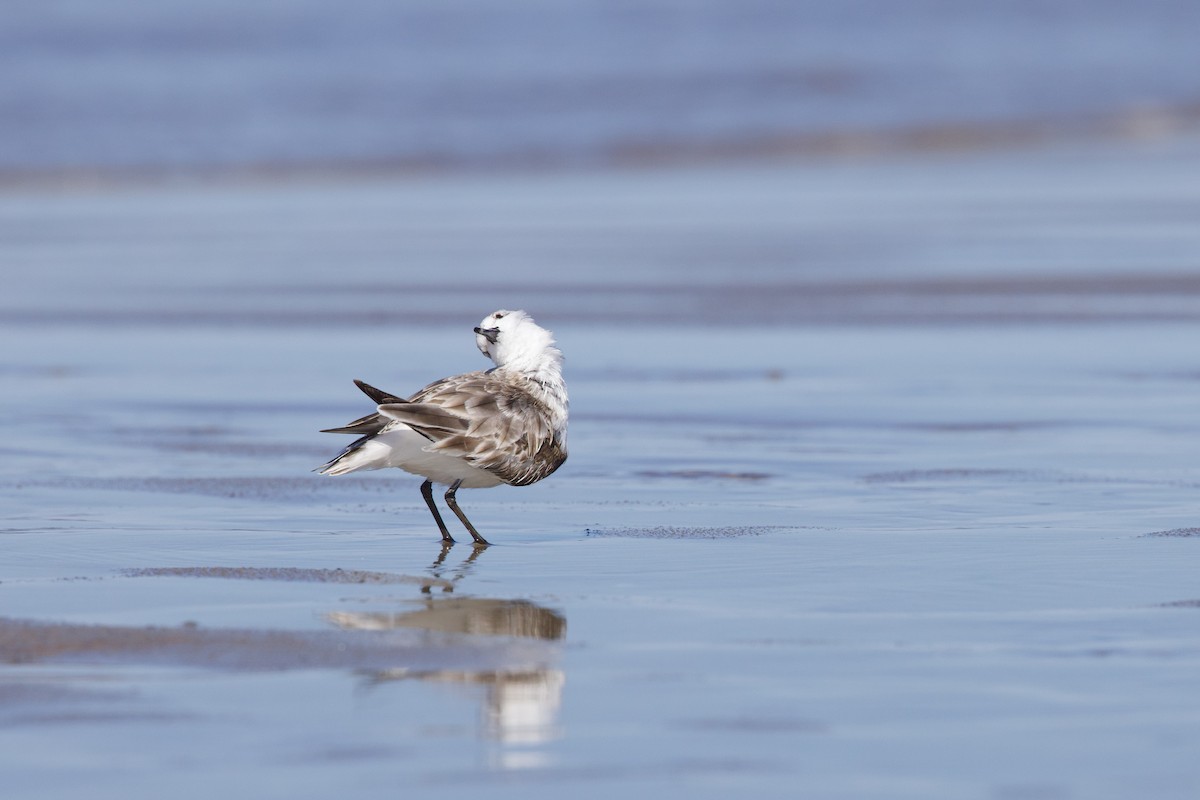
(514, 341)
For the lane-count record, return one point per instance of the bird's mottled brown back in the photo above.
(509, 431)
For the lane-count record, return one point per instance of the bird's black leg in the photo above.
(453, 503)
(427, 493)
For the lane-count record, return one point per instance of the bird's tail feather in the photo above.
(358, 456)
(349, 460)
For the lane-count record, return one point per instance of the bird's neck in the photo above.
(543, 366)
(544, 370)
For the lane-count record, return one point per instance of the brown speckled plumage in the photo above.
(493, 422)
(475, 430)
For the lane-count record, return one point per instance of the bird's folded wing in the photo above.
(378, 395)
(488, 422)
(426, 417)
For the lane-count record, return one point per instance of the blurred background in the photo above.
(384, 163)
(154, 88)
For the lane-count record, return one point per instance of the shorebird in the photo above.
(471, 431)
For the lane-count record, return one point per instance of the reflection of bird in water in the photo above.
(474, 615)
(437, 569)
(474, 431)
(521, 705)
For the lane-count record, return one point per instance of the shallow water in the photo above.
(930, 534)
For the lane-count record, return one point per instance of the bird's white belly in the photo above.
(404, 449)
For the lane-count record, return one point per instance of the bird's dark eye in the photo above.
(498, 316)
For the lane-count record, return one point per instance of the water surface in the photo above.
(882, 484)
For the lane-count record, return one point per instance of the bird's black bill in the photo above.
(491, 334)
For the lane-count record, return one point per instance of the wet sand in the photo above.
(882, 484)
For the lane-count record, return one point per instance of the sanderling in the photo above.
(476, 430)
